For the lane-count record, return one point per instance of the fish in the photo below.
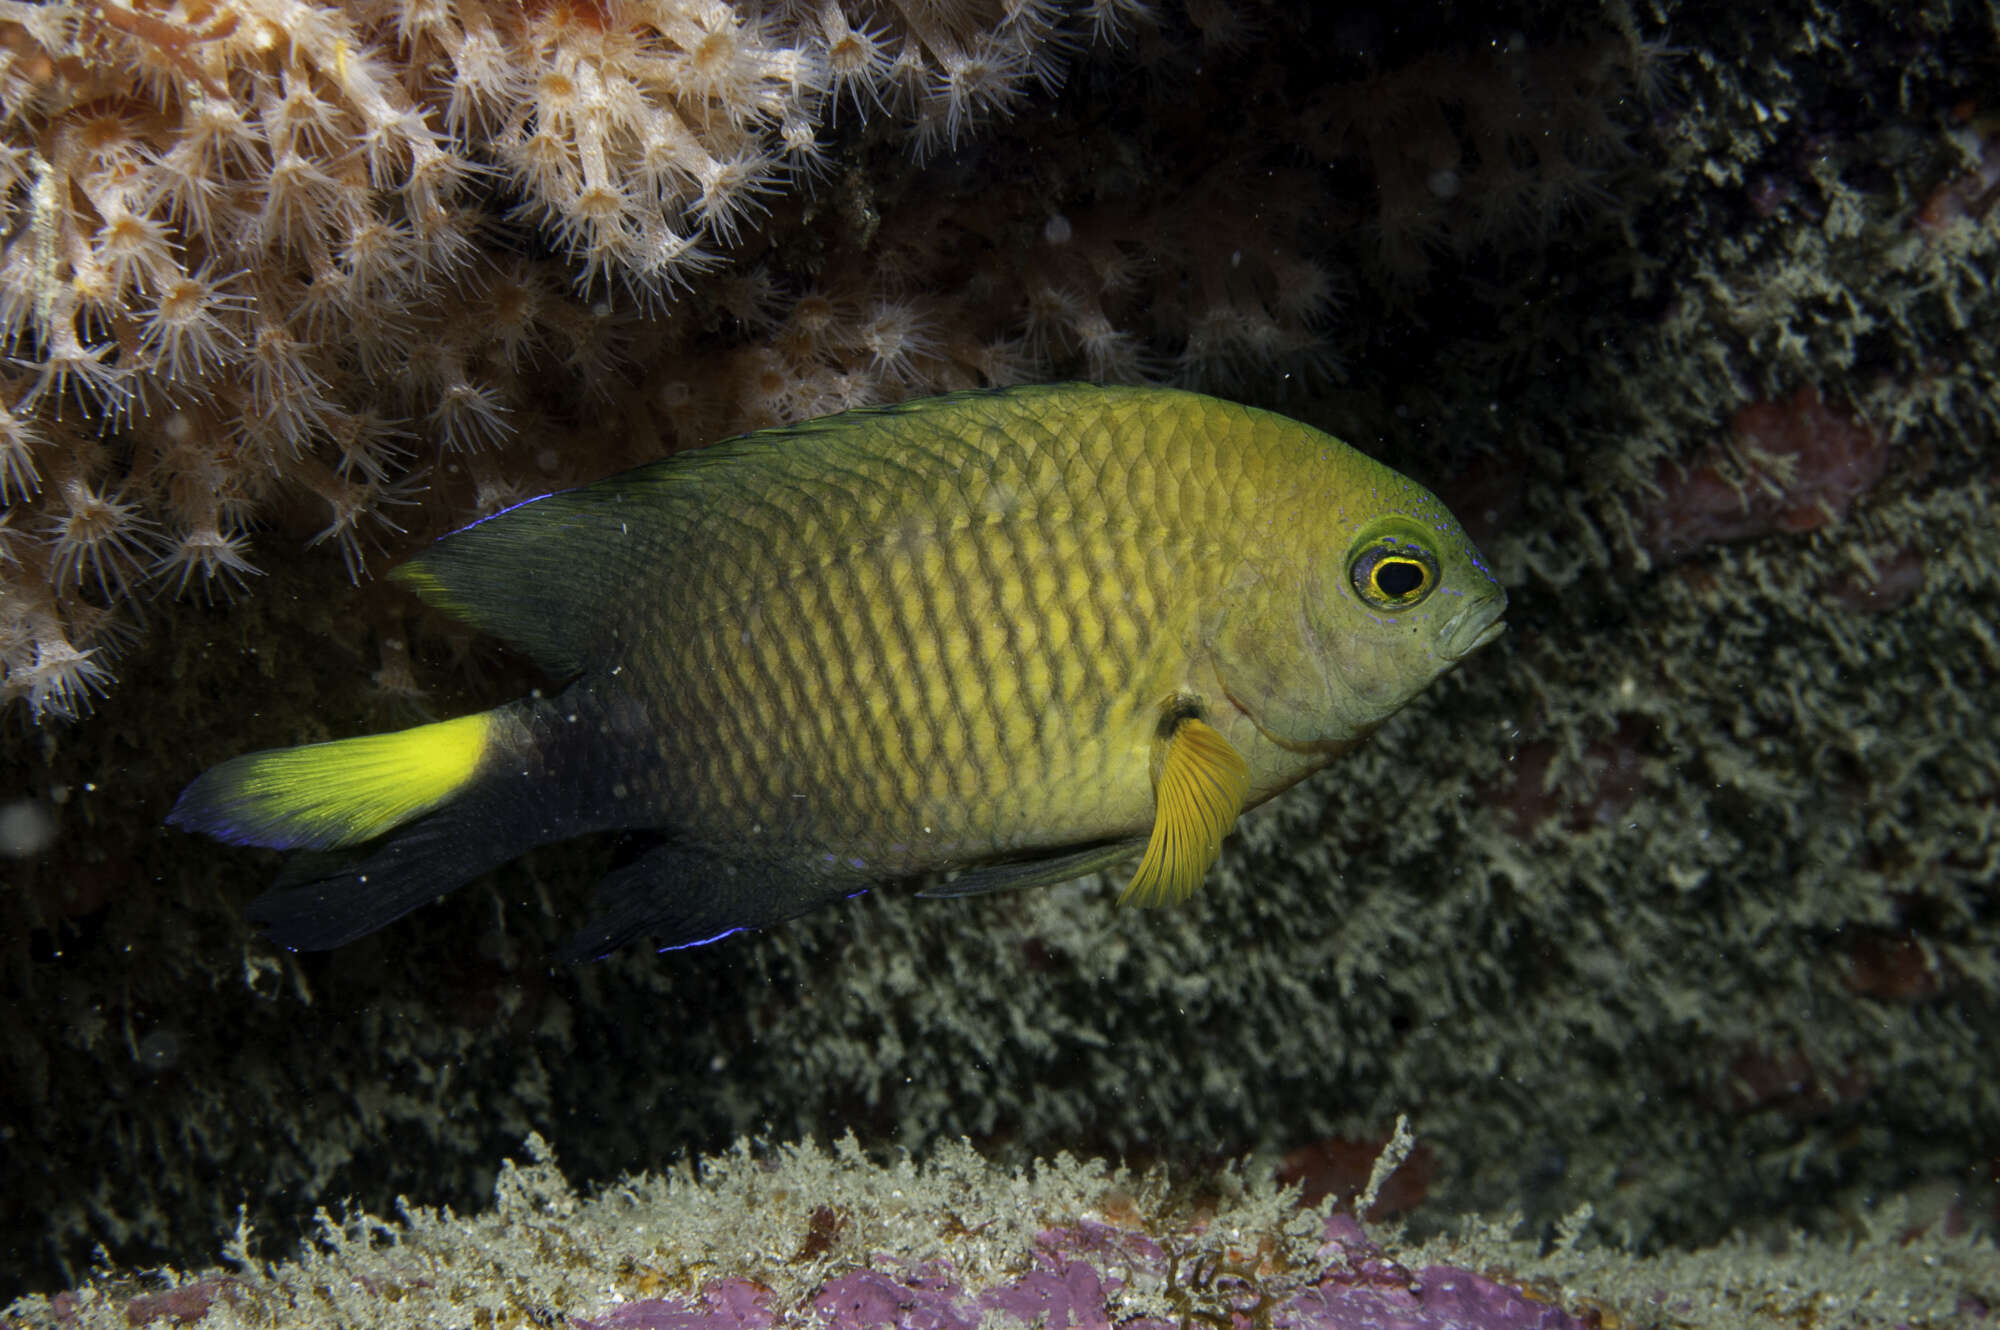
(979, 642)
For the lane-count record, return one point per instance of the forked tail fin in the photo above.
(391, 821)
(326, 899)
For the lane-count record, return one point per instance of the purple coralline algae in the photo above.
(1081, 1270)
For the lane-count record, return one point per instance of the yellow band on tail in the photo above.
(329, 795)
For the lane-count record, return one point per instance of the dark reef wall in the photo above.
(1679, 900)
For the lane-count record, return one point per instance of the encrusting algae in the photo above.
(1021, 634)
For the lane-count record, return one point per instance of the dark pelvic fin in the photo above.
(683, 895)
(1045, 872)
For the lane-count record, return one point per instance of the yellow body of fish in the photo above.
(1022, 633)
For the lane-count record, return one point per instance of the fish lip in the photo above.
(1475, 626)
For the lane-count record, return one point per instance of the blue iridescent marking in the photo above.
(683, 946)
(504, 511)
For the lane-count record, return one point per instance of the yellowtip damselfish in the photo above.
(1024, 634)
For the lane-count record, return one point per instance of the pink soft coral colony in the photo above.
(278, 270)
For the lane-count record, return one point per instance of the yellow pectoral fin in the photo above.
(1201, 788)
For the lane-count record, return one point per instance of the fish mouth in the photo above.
(1475, 626)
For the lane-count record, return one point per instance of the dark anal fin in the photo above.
(1045, 872)
(683, 895)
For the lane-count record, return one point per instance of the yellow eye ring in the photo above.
(1392, 574)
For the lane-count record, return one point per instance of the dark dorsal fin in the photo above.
(554, 576)
(546, 576)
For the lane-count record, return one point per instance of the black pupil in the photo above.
(1398, 577)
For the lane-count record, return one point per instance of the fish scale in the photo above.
(1018, 633)
(964, 720)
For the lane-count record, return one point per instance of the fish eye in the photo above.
(1393, 574)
